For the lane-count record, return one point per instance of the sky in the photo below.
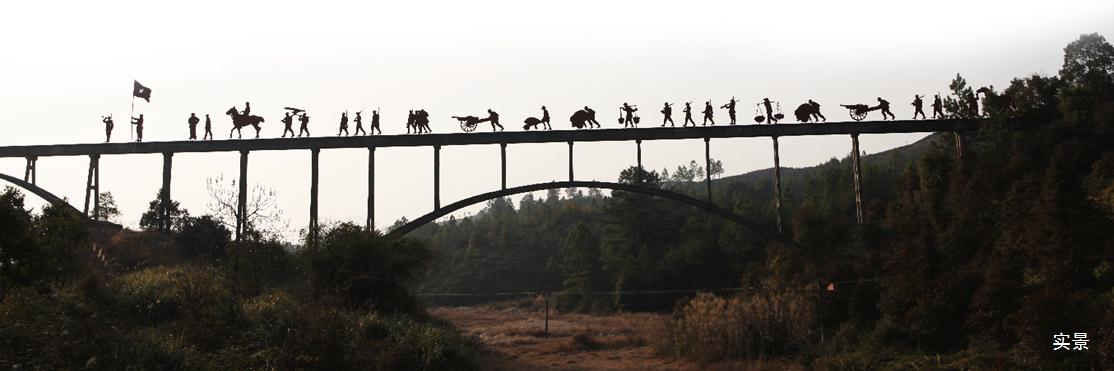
(65, 64)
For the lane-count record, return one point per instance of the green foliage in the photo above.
(363, 269)
(205, 237)
(164, 216)
(17, 248)
(106, 207)
(756, 325)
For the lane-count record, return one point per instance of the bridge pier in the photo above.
(959, 146)
(503, 159)
(777, 186)
(29, 172)
(371, 188)
(857, 177)
(164, 193)
(638, 145)
(242, 202)
(708, 166)
(315, 154)
(93, 184)
(436, 176)
(570, 161)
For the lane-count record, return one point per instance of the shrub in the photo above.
(744, 326)
(162, 294)
(364, 269)
(205, 237)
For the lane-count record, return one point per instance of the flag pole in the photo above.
(131, 126)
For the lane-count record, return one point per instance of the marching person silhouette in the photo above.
(304, 120)
(208, 128)
(193, 125)
(770, 118)
(410, 122)
(708, 112)
(138, 122)
(816, 111)
(494, 119)
(108, 125)
(288, 123)
(918, 106)
(730, 106)
(667, 115)
(688, 115)
(359, 124)
(375, 122)
(937, 107)
(343, 124)
(545, 119)
(884, 105)
(628, 112)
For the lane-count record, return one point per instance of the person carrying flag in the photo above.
(138, 122)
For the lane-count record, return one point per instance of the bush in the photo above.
(755, 325)
(205, 237)
(163, 294)
(364, 269)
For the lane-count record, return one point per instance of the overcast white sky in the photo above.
(64, 64)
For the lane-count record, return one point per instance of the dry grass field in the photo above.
(513, 338)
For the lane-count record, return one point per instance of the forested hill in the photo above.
(508, 247)
(984, 257)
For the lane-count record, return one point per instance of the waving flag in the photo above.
(141, 91)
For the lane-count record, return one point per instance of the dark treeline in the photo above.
(981, 259)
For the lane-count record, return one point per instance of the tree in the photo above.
(263, 216)
(106, 208)
(173, 221)
(1088, 61)
(716, 168)
(205, 237)
(578, 261)
(364, 269)
(954, 103)
(16, 245)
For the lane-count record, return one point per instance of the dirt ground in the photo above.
(513, 338)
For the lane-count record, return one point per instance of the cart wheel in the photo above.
(858, 116)
(466, 127)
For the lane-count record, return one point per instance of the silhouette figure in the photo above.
(421, 121)
(533, 122)
(208, 128)
(108, 125)
(138, 122)
(771, 118)
(730, 106)
(708, 112)
(884, 105)
(247, 108)
(469, 123)
(918, 106)
(628, 112)
(375, 122)
(303, 118)
(410, 123)
(359, 124)
(688, 114)
(816, 111)
(545, 119)
(494, 118)
(240, 120)
(288, 123)
(973, 105)
(591, 117)
(667, 115)
(343, 124)
(193, 120)
(937, 107)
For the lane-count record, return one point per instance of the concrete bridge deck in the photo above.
(652, 132)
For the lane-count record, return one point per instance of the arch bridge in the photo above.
(315, 144)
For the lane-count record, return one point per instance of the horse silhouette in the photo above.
(239, 121)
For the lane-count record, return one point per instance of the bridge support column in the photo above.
(93, 184)
(858, 168)
(959, 146)
(503, 159)
(708, 166)
(570, 161)
(436, 177)
(29, 172)
(315, 154)
(371, 188)
(777, 186)
(164, 193)
(638, 156)
(242, 202)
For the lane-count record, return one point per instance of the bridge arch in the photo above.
(42, 193)
(657, 192)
